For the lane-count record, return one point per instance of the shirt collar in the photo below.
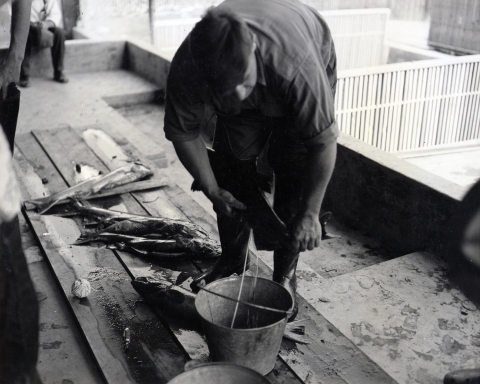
(260, 67)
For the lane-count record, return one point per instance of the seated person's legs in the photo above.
(58, 54)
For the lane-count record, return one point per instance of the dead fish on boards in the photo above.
(176, 301)
(168, 298)
(174, 247)
(137, 225)
(120, 176)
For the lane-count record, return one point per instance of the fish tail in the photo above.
(84, 239)
(42, 204)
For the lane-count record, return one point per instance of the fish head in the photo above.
(149, 285)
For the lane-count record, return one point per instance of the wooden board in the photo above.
(153, 356)
(56, 142)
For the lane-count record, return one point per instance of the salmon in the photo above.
(120, 176)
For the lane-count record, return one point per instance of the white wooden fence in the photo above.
(358, 34)
(406, 106)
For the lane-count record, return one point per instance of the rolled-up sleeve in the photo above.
(311, 99)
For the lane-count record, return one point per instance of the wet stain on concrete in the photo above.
(376, 341)
(423, 356)
(380, 341)
(67, 381)
(424, 377)
(306, 275)
(450, 346)
(408, 310)
(400, 333)
(365, 282)
(52, 345)
(411, 321)
(476, 340)
(446, 325)
(393, 354)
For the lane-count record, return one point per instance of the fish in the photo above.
(137, 225)
(174, 247)
(169, 299)
(120, 176)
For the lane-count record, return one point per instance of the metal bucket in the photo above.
(219, 373)
(254, 338)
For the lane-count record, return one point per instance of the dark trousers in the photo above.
(9, 108)
(18, 311)
(286, 156)
(58, 51)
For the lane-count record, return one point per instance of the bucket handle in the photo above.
(257, 306)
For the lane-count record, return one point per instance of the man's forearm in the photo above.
(19, 30)
(194, 157)
(320, 165)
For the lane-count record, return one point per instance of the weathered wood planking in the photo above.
(57, 142)
(322, 360)
(152, 356)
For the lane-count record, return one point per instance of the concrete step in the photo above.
(84, 101)
(403, 313)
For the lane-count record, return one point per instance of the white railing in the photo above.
(401, 9)
(359, 36)
(406, 106)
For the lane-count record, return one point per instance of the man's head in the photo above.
(223, 48)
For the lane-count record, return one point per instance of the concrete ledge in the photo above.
(402, 53)
(81, 56)
(402, 204)
(125, 100)
(146, 61)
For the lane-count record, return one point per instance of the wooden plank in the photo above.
(61, 141)
(41, 165)
(152, 356)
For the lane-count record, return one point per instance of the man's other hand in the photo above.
(306, 233)
(224, 203)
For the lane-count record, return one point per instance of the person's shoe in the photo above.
(60, 77)
(23, 82)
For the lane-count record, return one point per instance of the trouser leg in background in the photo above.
(58, 50)
(286, 155)
(18, 311)
(9, 113)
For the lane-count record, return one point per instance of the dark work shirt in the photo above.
(296, 66)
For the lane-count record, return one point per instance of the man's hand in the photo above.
(306, 233)
(9, 73)
(224, 203)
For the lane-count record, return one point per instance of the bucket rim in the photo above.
(287, 312)
(207, 365)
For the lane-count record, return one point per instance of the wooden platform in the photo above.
(160, 344)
